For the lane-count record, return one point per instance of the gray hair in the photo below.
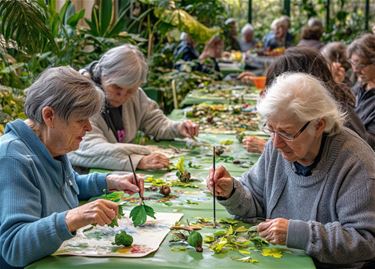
(123, 65)
(279, 22)
(304, 97)
(315, 22)
(247, 28)
(66, 91)
(364, 47)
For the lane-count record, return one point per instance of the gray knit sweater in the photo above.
(337, 227)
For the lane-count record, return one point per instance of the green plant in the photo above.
(23, 25)
(195, 240)
(123, 239)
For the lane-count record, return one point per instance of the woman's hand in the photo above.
(246, 77)
(188, 129)
(254, 144)
(99, 212)
(222, 180)
(338, 72)
(153, 161)
(274, 230)
(126, 183)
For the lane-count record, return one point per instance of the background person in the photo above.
(278, 37)
(247, 40)
(335, 55)
(361, 53)
(301, 59)
(39, 197)
(120, 73)
(314, 180)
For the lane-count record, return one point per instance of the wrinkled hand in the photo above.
(338, 72)
(274, 230)
(222, 180)
(254, 144)
(125, 183)
(99, 212)
(153, 161)
(188, 129)
(245, 77)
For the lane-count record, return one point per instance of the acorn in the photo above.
(165, 190)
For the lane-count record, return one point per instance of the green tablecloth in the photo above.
(222, 93)
(165, 257)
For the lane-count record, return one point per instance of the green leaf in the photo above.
(149, 211)
(138, 215)
(105, 16)
(195, 240)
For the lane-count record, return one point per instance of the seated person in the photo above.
(247, 40)
(314, 182)
(361, 53)
(302, 59)
(335, 55)
(230, 34)
(119, 73)
(211, 52)
(185, 50)
(279, 37)
(40, 192)
(311, 34)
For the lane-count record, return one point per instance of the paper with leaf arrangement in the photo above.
(97, 242)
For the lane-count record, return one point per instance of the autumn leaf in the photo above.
(248, 260)
(272, 252)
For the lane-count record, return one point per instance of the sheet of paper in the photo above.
(97, 242)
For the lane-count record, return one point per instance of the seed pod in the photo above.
(165, 190)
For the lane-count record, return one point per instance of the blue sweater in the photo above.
(36, 192)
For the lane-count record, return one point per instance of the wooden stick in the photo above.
(214, 189)
(135, 178)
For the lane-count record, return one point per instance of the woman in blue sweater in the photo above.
(39, 197)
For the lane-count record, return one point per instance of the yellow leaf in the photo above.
(244, 252)
(273, 252)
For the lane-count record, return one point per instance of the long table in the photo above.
(165, 256)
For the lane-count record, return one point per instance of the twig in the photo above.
(136, 179)
(214, 189)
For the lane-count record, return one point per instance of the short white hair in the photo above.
(303, 97)
(247, 28)
(124, 66)
(277, 22)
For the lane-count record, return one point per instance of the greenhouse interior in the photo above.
(187, 134)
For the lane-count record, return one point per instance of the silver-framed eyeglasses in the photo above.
(283, 135)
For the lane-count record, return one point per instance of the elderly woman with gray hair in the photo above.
(119, 73)
(314, 182)
(39, 206)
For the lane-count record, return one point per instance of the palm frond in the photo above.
(24, 22)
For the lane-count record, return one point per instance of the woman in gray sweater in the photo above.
(315, 181)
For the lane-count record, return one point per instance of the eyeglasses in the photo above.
(283, 135)
(358, 65)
